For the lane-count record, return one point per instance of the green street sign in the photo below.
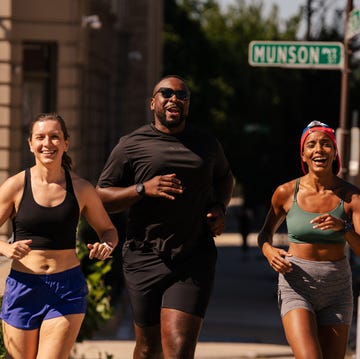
(297, 54)
(353, 24)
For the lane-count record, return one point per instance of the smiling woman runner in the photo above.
(314, 287)
(44, 301)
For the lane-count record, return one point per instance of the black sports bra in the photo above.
(48, 227)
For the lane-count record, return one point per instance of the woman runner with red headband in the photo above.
(322, 213)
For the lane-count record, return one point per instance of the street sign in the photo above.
(353, 24)
(297, 54)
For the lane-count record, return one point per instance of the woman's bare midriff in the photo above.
(317, 251)
(47, 261)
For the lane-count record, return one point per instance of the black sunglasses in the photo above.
(168, 93)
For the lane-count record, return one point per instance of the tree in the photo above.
(257, 113)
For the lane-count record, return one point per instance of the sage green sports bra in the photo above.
(300, 230)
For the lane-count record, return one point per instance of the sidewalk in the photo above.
(104, 349)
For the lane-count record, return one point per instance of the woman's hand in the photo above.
(100, 250)
(16, 250)
(327, 221)
(277, 260)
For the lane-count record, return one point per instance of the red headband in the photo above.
(330, 132)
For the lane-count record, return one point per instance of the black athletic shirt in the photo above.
(48, 227)
(168, 227)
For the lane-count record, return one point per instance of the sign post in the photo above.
(297, 54)
(353, 24)
(344, 116)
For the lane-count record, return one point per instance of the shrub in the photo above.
(99, 308)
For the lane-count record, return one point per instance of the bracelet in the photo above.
(108, 246)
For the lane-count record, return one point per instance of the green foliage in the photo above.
(99, 308)
(257, 113)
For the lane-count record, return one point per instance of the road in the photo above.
(243, 307)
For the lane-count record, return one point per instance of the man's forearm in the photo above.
(117, 199)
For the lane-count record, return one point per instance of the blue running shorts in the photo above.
(31, 298)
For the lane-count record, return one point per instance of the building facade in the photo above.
(94, 62)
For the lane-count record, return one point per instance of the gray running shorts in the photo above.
(322, 287)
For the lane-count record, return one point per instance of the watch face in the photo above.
(140, 189)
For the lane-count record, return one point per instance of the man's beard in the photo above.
(170, 124)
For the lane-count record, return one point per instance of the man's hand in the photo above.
(216, 219)
(164, 186)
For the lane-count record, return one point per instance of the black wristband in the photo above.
(348, 226)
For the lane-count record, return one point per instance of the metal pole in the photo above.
(344, 125)
(308, 19)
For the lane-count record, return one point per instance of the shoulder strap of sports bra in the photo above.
(296, 188)
(27, 176)
(27, 192)
(69, 185)
(27, 182)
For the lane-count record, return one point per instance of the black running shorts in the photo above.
(153, 285)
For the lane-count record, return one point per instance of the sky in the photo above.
(287, 8)
(290, 7)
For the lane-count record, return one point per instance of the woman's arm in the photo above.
(10, 194)
(274, 218)
(95, 214)
(352, 235)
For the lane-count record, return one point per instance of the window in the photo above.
(39, 87)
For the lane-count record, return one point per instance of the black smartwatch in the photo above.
(140, 189)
